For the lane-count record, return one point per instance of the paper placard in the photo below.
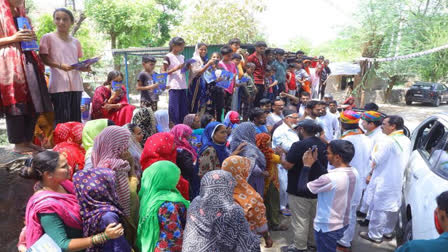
(160, 79)
(45, 244)
(23, 24)
(86, 63)
(225, 78)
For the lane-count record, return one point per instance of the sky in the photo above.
(315, 20)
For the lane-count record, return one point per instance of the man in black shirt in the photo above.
(303, 204)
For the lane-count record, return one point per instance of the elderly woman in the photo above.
(227, 229)
(23, 89)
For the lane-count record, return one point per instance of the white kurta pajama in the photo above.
(390, 157)
(363, 147)
(283, 137)
(375, 136)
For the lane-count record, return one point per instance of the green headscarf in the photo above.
(92, 129)
(158, 186)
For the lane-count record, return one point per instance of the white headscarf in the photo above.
(163, 120)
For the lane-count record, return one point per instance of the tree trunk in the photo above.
(392, 81)
(78, 23)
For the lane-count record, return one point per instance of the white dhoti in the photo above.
(381, 223)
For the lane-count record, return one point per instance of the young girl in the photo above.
(172, 65)
(216, 93)
(110, 101)
(228, 65)
(59, 50)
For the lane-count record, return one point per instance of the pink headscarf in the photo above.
(181, 132)
(65, 205)
(108, 147)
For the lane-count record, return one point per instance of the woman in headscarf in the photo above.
(158, 147)
(247, 197)
(23, 89)
(144, 118)
(186, 154)
(68, 140)
(163, 210)
(271, 192)
(194, 121)
(163, 120)
(54, 210)
(215, 222)
(197, 87)
(245, 133)
(110, 100)
(135, 146)
(109, 151)
(96, 193)
(213, 150)
(90, 131)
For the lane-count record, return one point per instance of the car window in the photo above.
(436, 140)
(444, 87)
(440, 88)
(423, 135)
(439, 159)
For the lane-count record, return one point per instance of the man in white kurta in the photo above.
(330, 124)
(389, 158)
(371, 121)
(284, 136)
(363, 146)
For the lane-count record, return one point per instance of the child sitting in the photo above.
(149, 95)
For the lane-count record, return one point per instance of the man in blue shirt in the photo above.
(439, 244)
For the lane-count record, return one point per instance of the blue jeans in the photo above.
(327, 242)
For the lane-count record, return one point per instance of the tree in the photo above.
(135, 22)
(217, 21)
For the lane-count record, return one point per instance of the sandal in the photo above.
(285, 212)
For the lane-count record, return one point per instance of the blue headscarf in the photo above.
(207, 140)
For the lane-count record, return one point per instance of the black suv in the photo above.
(426, 92)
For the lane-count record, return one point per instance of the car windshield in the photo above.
(422, 86)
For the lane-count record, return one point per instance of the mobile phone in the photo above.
(313, 148)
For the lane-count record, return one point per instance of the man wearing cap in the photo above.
(389, 159)
(284, 136)
(371, 122)
(363, 146)
(303, 204)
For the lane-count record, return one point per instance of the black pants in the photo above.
(20, 128)
(67, 107)
(322, 90)
(218, 102)
(259, 95)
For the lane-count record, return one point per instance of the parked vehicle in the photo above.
(426, 92)
(426, 176)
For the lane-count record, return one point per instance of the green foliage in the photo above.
(135, 22)
(217, 21)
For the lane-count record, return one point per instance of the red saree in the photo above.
(121, 116)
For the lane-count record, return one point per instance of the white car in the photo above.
(426, 176)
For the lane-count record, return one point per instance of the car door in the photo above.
(426, 182)
(444, 92)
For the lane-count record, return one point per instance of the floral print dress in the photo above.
(172, 219)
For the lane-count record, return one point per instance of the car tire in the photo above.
(408, 102)
(436, 102)
(407, 236)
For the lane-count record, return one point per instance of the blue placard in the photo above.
(116, 85)
(23, 24)
(187, 65)
(45, 244)
(243, 79)
(160, 79)
(85, 63)
(225, 79)
(209, 76)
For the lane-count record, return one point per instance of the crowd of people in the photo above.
(189, 178)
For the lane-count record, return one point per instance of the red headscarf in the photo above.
(158, 147)
(68, 139)
(181, 132)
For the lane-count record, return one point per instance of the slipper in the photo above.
(285, 212)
